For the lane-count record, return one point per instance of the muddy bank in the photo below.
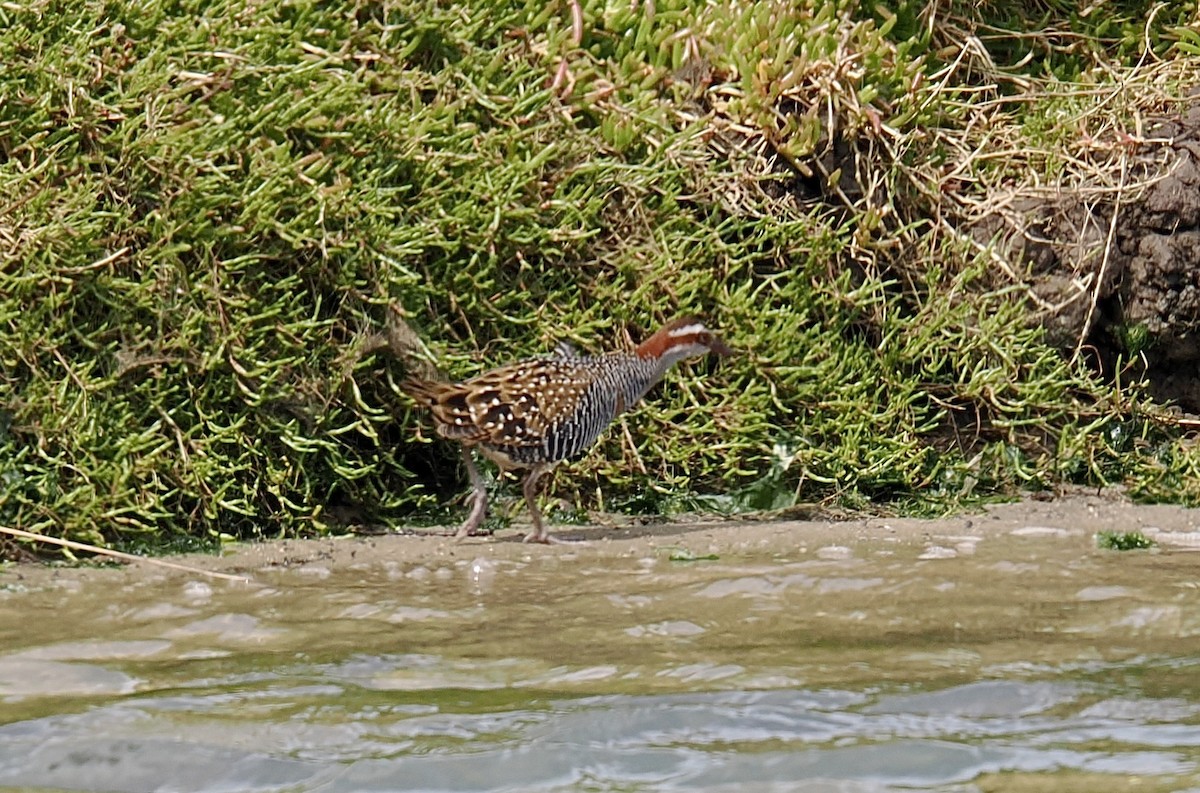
(1172, 527)
(1117, 275)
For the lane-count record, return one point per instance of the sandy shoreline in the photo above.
(1173, 528)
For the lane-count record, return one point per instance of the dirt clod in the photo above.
(1147, 300)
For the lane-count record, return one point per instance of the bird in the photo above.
(535, 413)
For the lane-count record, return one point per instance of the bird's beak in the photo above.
(719, 347)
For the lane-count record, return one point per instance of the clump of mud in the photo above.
(1115, 270)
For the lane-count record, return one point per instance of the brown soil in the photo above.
(1148, 279)
(1173, 528)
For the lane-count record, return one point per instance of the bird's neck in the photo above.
(646, 371)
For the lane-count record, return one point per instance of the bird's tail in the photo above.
(451, 409)
(421, 390)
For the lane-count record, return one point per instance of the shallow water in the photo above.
(1022, 661)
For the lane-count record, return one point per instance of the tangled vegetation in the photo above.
(209, 212)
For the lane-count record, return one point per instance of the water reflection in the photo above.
(878, 667)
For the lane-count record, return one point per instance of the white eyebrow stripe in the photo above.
(687, 330)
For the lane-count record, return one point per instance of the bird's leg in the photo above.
(539, 533)
(529, 488)
(478, 498)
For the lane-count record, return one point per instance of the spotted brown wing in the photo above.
(514, 405)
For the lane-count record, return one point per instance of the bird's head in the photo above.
(686, 337)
